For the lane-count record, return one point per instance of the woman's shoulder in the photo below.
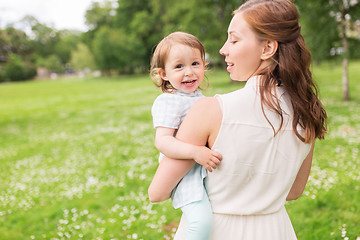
(206, 109)
(207, 116)
(206, 104)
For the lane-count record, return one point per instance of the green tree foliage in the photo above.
(41, 46)
(51, 62)
(98, 14)
(144, 29)
(68, 41)
(116, 50)
(115, 42)
(15, 60)
(16, 69)
(206, 19)
(322, 22)
(123, 33)
(331, 30)
(82, 58)
(14, 41)
(148, 22)
(46, 41)
(137, 19)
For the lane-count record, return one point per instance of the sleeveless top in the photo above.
(258, 168)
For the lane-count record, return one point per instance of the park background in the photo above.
(76, 135)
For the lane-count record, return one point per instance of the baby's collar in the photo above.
(197, 93)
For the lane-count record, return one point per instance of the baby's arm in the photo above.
(200, 126)
(171, 147)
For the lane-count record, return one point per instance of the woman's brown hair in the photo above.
(278, 20)
(161, 53)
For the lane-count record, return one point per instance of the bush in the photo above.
(2, 76)
(14, 69)
(52, 62)
(30, 70)
(17, 70)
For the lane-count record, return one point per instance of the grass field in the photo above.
(77, 156)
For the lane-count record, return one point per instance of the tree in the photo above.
(138, 19)
(151, 20)
(15, 56)
(346, 10)
(51, 62)
(328, 25)
(137, 26)
(116, 50)
(44, 39)
(208, 20)
(16, 69)
(82, 58)
(14, 41)
(51, 48)
(68, 41)
(100, 14)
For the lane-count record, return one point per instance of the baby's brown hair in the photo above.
(161, 53)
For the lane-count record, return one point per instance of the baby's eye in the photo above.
(179, 66)
(195, 63)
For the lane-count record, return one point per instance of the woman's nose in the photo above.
(222, 50)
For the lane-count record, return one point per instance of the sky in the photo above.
(58, 14)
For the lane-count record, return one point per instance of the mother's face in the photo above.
(242, 50)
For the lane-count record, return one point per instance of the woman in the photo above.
(265, 132)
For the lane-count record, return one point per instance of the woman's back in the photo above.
(248, 190)
(258, 169)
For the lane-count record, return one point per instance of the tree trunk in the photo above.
(345, 63)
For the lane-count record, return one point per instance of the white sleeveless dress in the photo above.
(248, 190)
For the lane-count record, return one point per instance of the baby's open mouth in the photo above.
(189, 82)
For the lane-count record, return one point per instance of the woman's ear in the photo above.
(162, 74)
(270, 49)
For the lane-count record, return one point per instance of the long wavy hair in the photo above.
(278, 20)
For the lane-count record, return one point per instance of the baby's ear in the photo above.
(162, 74)
(270, 48)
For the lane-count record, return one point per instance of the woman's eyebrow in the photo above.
(233, 32)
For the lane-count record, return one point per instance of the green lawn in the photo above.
(77, 156)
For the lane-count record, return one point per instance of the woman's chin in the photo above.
(236, 78)
(233, 77)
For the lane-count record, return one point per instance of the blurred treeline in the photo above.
(122, 35)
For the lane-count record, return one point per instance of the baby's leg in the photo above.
(199, 219)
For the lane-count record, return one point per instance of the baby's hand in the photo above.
(207, 157)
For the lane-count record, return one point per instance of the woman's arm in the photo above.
(171, 147)
(301, 179)
(199, 127)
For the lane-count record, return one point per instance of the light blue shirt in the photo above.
(169, 110)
